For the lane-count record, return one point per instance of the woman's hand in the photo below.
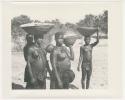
(71, 55)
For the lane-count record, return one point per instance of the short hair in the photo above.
(29, 36)
(58, 34)
(87, 37)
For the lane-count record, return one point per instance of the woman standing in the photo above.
(36, 65)
(29, 39)
(60, 58)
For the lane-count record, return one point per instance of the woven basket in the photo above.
(37, 28)
(87, 31)
(70, 40)
(50, 48)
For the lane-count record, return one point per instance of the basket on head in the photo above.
(70, 40)
(37, 28)
(87, 31)
(50, 48)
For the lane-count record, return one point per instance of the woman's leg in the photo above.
(41, 85)
(29, 86)
(66, 85)
(52, 81)
(65, 80)
(89, 72)
(83, 78)
(52, 84)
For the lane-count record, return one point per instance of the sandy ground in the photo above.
(99, 79)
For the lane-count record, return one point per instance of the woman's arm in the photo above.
(24, 52)
(71, 53)
(48, 67)
(80, 59)
(29, 66)
(97, 40)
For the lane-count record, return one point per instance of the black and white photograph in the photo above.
(60, 50)
(63, 49)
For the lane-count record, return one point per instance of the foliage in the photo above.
(100, 21)
(90, 20)
(17, 33)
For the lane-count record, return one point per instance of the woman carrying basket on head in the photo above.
(60, 58)
(36, 65)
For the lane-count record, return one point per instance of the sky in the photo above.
(65, 12)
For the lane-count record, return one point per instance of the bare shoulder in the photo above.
(25, 47)
(31, 49)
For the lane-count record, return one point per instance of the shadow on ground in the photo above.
(72, 86)
(17, 86)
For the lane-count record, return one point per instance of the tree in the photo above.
(105, 22)
(17, 33)
(22, 19)
(88, 21)
(15, 25)
(100, 21)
